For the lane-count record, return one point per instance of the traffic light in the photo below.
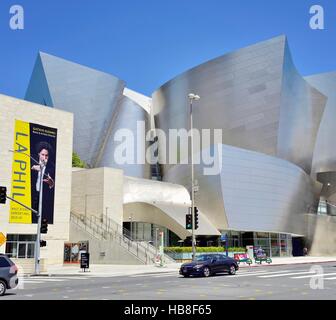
(43, 243)
(44, 226)
(3, 194)
(188, 221)
(196, 218)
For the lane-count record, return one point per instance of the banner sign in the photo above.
(34, 159)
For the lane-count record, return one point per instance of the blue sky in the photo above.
(147, 42)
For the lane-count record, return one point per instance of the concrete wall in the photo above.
(58, 233)
(113, 253)
(98, 192)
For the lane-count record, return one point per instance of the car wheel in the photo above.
(232, 270)
(2, 288)
(206, 272)
(186, 275)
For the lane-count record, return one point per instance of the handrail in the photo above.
(127, 243)
(118, 231)
(125, 232)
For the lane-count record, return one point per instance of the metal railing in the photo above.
(112, 226)
(95, 230)
(108, 229)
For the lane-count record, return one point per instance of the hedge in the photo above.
(203, 249)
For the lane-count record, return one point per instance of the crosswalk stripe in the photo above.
(286, 274)
(315, 275)
(45, 280)
(330, 278)
(166, 275)
(29, 282)
(154, 275)
(259, 273)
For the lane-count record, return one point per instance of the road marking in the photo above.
(164, 275)
(286, 274)
(106, 287)
(329, 278)
(315, 275)
(44, 280)
(156, 275)
(259, 273)
(29, 282)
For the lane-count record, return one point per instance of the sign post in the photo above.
(2, 239)
(224, 238)
(85, 261)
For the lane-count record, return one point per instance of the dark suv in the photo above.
(8, 274)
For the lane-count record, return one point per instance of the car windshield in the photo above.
(204, 257)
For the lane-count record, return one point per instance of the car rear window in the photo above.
(4, 263)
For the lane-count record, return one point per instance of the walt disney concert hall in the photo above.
(277, 183)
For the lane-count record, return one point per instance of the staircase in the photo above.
(108, 230)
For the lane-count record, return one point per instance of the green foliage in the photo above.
(204, 249)
(77, 162)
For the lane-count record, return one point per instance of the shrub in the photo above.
(204, 249)
(77, 162)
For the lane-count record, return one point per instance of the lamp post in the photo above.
(192, 97)
(38, 238)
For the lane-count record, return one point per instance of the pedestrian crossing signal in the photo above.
(43, 243)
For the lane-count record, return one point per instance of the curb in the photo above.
(82, 274)
(93, 274)
(285, 264)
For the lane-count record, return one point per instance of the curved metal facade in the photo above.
(171, 201)
(253, 192)
(257, 98)
(99, 106)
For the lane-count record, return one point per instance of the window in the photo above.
(4, 263)
(20, 246)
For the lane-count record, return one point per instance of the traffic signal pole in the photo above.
(192, 97)
(39, 217)
(39, 213)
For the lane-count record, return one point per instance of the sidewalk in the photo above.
(124, 270)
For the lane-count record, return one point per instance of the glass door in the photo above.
(22, 250)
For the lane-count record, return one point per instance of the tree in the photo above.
(77, 162)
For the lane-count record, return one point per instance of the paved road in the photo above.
(261, 283)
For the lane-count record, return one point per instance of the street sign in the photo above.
(223, 237)
(2, 239)
(85, 261)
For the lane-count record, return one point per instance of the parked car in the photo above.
(209, 264)
(8, 274)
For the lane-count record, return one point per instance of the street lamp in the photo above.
(192, 97)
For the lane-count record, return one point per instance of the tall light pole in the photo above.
(38, 238)
(192, 97)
